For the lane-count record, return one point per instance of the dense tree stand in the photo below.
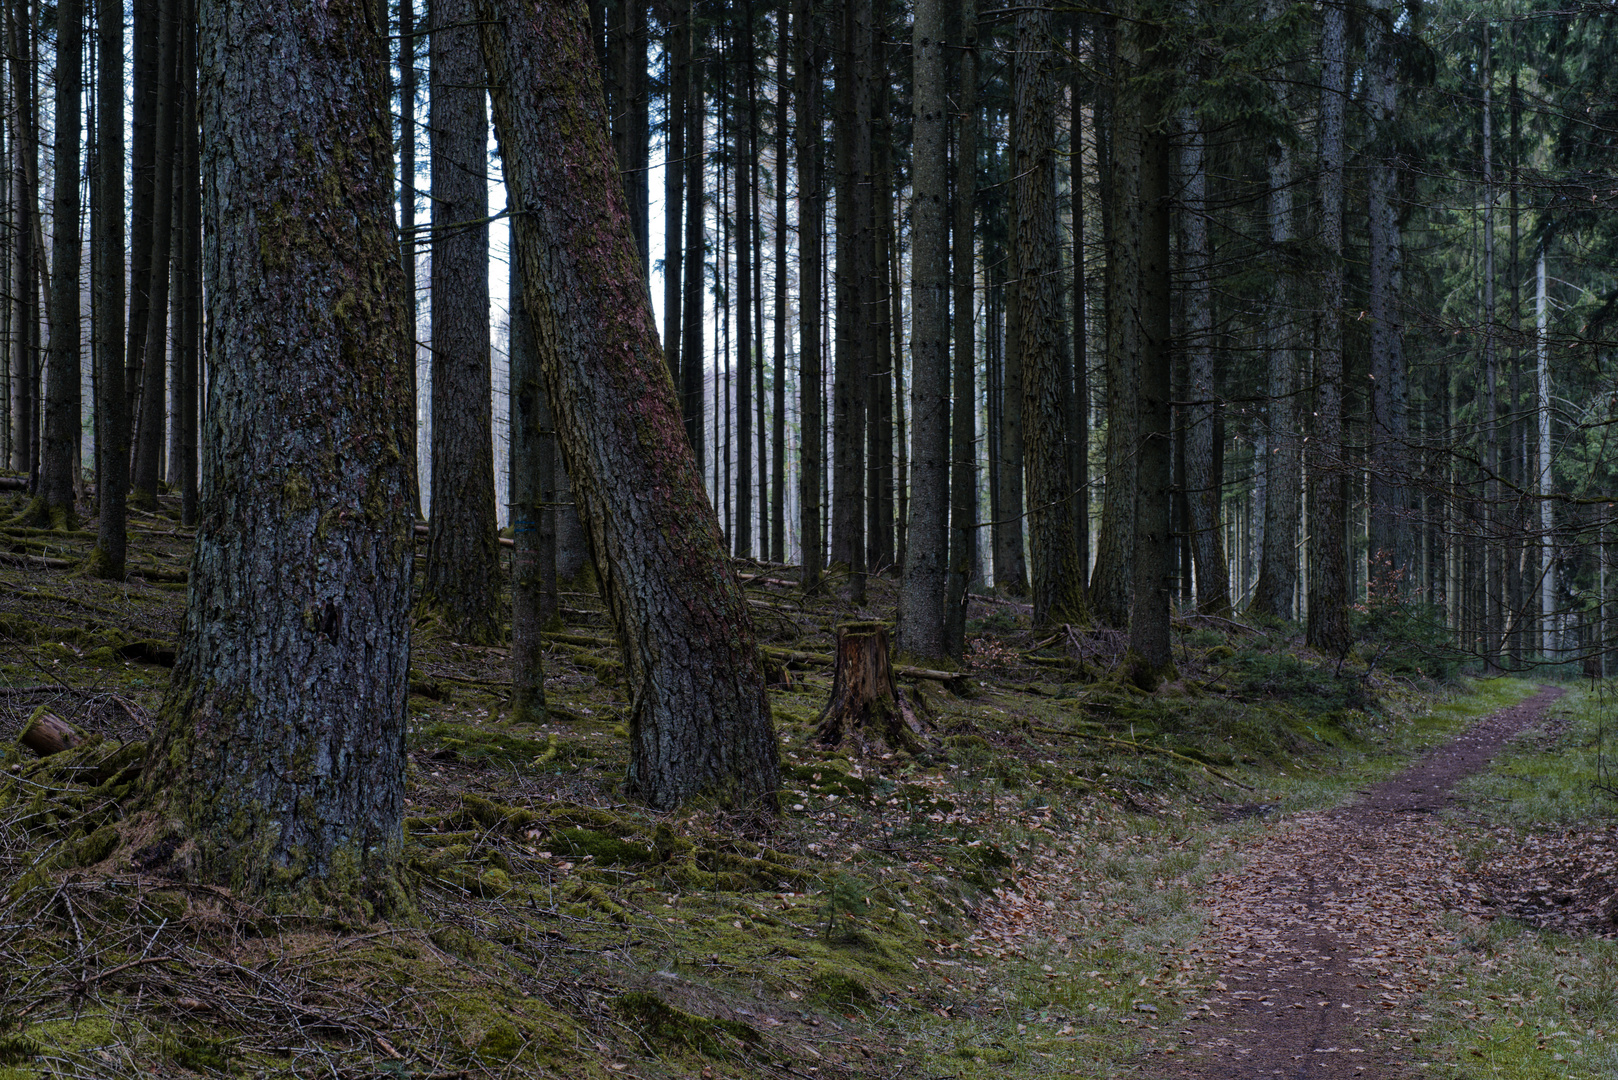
(700, 722)
(867, 710)
(279, 763)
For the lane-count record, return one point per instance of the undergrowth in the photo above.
(1001, 903)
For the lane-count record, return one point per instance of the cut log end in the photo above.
(48, 734)
(868, 709)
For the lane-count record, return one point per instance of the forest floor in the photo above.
(1072, 879)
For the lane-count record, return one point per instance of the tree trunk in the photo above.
(877, 338)
(700, 723)
(1079, 413)
(62, 394)
(407, 223)
(1493, 619)
(1058, 580)
(533, 530)
(921, 618)
(1150, 659)
(150, 421)
(963, 538)
(281, 754)
(692, 369)
(761, 420)
(742, 534)
(188, 279)
(1203, 495)
(853, 143)
(1275, 591)
(867, 711)
(1545, 482)
(677, 78)
(811, 212)
(107, 262)
(46, 733)
(778, 431)
(1327, 628)
(24, 287)
(144, 70)
(463, 553)
(1112, 580)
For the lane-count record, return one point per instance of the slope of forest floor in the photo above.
(1031, 895)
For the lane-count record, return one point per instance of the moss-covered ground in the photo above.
(1006, 902)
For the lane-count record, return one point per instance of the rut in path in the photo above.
(1333, 925)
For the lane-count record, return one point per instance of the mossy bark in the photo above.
(700, 723)
(280, 759)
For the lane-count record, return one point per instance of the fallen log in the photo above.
(48, 734)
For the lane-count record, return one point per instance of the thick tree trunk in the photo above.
(963, 532)
(62, 394)
(1079, 413)
(1057, 580)
(107, 272)
(144, 71)
(921, 619)
(811, 213)
(1010, 568)
(1328, 562)
(462, 575)
(700, 722)
(1203, 495)
(281, 752)
(24, 274)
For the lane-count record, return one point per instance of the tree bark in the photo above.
(533, 530)
(963, 539)
(677, 76)
(692, 366)
(1150, 659)
(853, 145)
(778, 430)
(1079, 413)
(24, 277)
(1112, 580)
(811, 214)
(187, 288)
(700, 722)
(151, 421)
(280, 756)
(867, 709)
(1203, 495)
(107, 272)
(62, 393)
(46, 733)
(1057, 580)
(407, 222)
(921, 618)
(463, 553)
(742, 129)
(1327, 628)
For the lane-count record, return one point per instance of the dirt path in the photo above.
(1332, 926)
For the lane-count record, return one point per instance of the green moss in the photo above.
(657, 1020)
(605, 849)
(502, 1042)
(838, 986)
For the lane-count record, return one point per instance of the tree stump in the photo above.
(867, 707)
(48, 734)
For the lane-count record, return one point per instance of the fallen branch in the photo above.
(1129, 744)
(906, 670)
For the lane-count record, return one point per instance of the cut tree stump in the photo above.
(48, 734)
(867, 708)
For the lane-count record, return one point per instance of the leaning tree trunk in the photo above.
(867, 710)
(700, 722)
(281, 756)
